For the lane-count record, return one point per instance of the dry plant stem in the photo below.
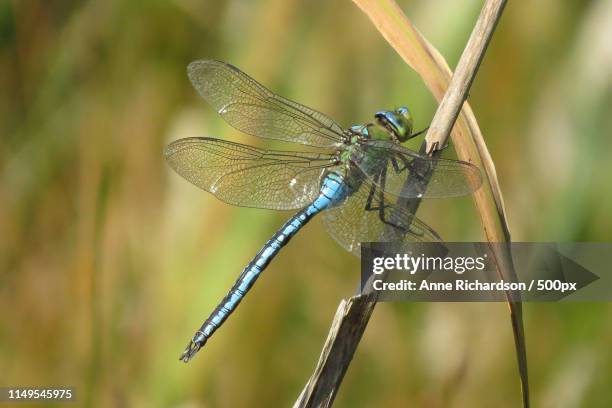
(424, 58)
(344, 334)
(456, 94)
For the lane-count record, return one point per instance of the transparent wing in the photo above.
(251, 108)
(448, 178)
(247, 176)
(369, 216)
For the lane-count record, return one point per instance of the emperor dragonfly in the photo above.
(354, 183)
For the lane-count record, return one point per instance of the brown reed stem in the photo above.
(353, 314)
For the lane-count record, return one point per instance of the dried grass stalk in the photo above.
(353, 315)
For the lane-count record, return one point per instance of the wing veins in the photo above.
(227, 89)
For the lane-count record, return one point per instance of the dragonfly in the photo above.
(354, 177)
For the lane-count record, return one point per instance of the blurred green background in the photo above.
(109, 262)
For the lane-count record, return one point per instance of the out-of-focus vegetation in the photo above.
(109, 261)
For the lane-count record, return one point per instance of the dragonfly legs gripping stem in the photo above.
(420, 132)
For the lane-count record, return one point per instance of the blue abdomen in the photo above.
(333, 191)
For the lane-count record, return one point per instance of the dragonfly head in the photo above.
(399, 122)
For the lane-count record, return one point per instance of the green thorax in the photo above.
(391, 126)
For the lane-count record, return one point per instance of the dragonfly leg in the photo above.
(420, 132)
(396, 166)
(369, 202)
(435, 147)
(418, 169)
(376, 192)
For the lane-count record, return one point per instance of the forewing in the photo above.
(359, 220)
(447, 178)
(251, 108)
(247, 176)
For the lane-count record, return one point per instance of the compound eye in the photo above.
(380, 116)
(403, 111)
